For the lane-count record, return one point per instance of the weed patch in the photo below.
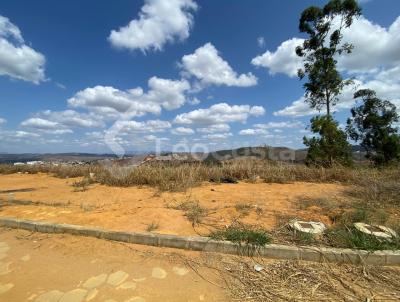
(153, 226)
(352, 238)
(242, 235)
(243, 208)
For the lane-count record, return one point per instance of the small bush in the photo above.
(82, 185)
(194, 212)
(352, 238)
(152, 226)
(242, 235)
(243, 208)
(366, 215)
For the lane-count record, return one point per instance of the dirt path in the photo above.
(134, 208)
(61, 268)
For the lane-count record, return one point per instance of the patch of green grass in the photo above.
(304, 238)
(363, 214)
(352, 238)
(242, 235)
(152, 226)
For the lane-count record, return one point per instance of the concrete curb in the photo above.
(275, 251)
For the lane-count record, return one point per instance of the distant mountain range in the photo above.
(24, 157)
(274, 153)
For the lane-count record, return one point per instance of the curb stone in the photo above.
(275, 251)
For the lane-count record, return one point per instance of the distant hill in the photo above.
(8, 158)
(263, 152)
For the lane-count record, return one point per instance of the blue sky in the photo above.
(185, 74)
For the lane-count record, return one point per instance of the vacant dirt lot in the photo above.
(43, 268)
(135, 208)
(58, 267)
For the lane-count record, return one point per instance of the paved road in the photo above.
(63, 268)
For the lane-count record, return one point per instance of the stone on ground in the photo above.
(158, 273)
(117, 278)
(95, 281)
(127, 285)
(92, 294)
(180, 271)
(51, 296)
(76, 295)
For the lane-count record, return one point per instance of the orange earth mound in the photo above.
(134, 208)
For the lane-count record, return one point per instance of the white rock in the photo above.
(76, 295)
(158, 273)
(51, 296)
(95, 281)
(117, 278)
(180, 271)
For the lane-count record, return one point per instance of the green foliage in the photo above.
(242, 235)
(352, 238)
(372, 124)
(330, 147)
(324, 27)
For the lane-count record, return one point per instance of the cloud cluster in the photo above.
(374, 62)
(112, 103)
(182, 131)
(262, 129)
(221, 113)
(210, 68)
(135, 127)
(159, 22)
(283, 60)
(18, 60)
(61, 122)
(375, 47)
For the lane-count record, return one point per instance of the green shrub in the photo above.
(242, 235)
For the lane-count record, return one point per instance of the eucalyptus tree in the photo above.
(324, 27)
(372, 124)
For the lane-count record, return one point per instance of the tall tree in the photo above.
(331, 146)
(324, 27)
(372, 124)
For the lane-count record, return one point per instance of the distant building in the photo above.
(35, 162)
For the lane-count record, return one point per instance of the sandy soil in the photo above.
(134, 208)
(35, 266)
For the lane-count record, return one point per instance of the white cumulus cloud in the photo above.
(375, 47)
(112, 103)
(17, 60)
(251, 132)
(182, 131)
(283, 60)
(221, 113)
(39, 123)
(159, 22)
(211, 69)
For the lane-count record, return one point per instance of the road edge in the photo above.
(196, 243)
